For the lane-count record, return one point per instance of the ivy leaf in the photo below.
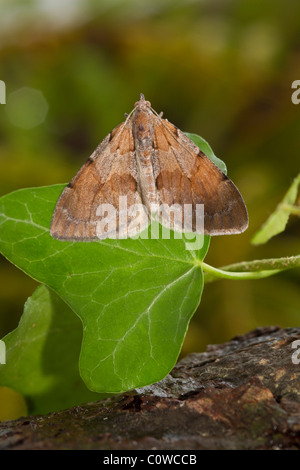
(42, 356)
(206, 148)
(135, 297)
(277, 221)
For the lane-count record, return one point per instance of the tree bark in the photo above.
(244, 394)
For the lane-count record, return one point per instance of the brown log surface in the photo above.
(243, 394)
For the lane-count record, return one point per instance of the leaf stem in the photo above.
(256, 269)
(295, 210)
(213, 274)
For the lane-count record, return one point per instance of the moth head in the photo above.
(142, 103)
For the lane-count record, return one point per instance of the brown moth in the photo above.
(147, 162)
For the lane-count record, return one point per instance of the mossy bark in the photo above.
(244, 394)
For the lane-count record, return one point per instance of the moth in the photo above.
(147, 162)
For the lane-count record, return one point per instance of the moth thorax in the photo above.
(142, 126)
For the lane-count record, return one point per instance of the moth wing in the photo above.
(186, 176)
(94, 192)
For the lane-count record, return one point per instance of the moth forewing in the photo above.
(147, 161)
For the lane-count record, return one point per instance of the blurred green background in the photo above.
(221, 69)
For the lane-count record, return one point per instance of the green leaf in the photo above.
(42, 355)
(207, 150)
(134, 297)
(277, 221)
